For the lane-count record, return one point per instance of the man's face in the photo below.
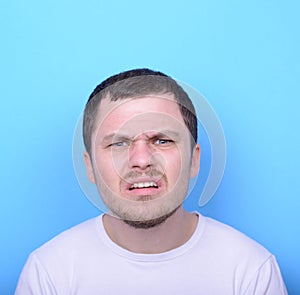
(141, 157)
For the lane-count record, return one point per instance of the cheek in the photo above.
(109, 166)
(174, 165)
(104, 166)
(181, 164)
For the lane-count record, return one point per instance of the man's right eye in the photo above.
(119, 144)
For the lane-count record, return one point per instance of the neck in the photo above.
(170, 234)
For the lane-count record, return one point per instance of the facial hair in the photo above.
(146, 224)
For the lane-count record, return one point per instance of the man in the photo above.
(140, 134)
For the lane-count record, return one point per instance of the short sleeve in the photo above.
(34, 280)
(267, 280)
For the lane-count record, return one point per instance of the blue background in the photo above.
(242, 55)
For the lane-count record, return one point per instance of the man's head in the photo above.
(134, 84)
(139, 128)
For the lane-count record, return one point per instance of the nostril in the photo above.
(140, 155)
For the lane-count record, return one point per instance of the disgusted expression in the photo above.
(142, 157)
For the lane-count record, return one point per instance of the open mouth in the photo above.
(141, 185)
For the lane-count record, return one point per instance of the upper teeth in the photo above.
(143, 184)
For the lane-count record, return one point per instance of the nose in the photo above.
(140, 155)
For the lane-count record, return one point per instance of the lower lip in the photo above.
(146, 191)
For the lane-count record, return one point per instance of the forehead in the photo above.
(151, 112)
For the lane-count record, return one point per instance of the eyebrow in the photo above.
(169, 133)
(109, 137)
(123, 136)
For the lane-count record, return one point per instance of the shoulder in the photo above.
(53, 265)
(81, 236)
(229, 243)
(228, 255)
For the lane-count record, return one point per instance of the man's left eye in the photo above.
(163, 141)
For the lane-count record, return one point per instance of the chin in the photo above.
(150, 223)
(147, 212)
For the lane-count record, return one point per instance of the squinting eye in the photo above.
(119, 144)
(163, 141)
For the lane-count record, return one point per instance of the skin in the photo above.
(141, 163)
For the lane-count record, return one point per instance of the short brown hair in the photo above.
(133, 84)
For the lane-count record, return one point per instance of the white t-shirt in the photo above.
(216, 260)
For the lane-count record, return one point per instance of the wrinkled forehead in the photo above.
(139, 114)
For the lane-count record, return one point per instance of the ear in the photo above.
(195, 161)
(89, 167)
